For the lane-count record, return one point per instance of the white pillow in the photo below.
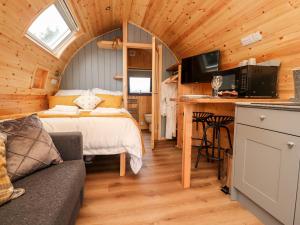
(70, 92)
(107, 92)
(87, 102)
(64, 108)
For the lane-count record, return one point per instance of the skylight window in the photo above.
(54, 27)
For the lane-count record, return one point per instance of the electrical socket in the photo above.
(251, 38)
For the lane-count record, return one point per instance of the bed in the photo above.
(105, 130)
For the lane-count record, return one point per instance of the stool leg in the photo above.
(213, 143)
(219, 152)
(228, 136)
(198, 157)
(205, 142)
(201, 146)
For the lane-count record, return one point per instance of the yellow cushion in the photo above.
(6, 187)
(61, 100)
(110, 101)
(7, 191)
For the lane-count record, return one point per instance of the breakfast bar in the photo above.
(189, 102)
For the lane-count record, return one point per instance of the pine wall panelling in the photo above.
(19, 104)
(187, 27)
(19, 57)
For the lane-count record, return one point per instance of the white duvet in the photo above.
(103, 135)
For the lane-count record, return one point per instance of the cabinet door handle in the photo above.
(262, 117)
(290, 144)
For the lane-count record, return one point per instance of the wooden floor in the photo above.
(155, 196)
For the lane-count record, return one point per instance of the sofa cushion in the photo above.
(6, 187)
(7, 191)
(51, 195)
(29, 146)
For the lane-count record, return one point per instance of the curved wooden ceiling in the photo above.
(188, 27)
(174, 22)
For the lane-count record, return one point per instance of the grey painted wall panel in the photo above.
(94, 67)
(135, 34)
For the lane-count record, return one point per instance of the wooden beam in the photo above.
(187, 145)
(179, 110)
(125, 64)
(139, 45)
(160, 68)
(122, 164)
(154, 90)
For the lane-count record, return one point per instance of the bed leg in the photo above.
(122, 164)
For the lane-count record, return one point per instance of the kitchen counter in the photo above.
(189, 101)
(266, 159)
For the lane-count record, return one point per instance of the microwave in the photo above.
(252, 81)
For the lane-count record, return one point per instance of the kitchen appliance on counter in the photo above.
(297, 84)
(251, 81)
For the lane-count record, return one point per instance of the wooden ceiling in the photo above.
(188, 27)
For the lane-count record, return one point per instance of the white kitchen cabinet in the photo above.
(266, 163)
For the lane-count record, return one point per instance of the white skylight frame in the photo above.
(67, 19)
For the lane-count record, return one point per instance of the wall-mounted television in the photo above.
(200, 68)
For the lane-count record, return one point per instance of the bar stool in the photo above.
(215, 122)
(200, 117)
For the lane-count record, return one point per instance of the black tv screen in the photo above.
(200, 68)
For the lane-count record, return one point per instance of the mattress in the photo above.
(103, 135)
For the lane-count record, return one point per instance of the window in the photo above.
(40, 78)
(54, 27)
(139, 85)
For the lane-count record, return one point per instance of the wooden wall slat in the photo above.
(188, 27)
(19, 104)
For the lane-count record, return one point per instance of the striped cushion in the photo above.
(7, 191)
(29, 147)
(6, 188)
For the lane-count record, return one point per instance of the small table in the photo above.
(188, 106)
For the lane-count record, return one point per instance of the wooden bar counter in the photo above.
(189, 104)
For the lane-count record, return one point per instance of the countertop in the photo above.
(194, 99)
(287, 106)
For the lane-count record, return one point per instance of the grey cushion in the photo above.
(29, 146)
(50, 198)
(69, 144)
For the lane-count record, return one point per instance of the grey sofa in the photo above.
(53, 195)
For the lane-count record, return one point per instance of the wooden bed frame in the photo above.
(122, 164)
